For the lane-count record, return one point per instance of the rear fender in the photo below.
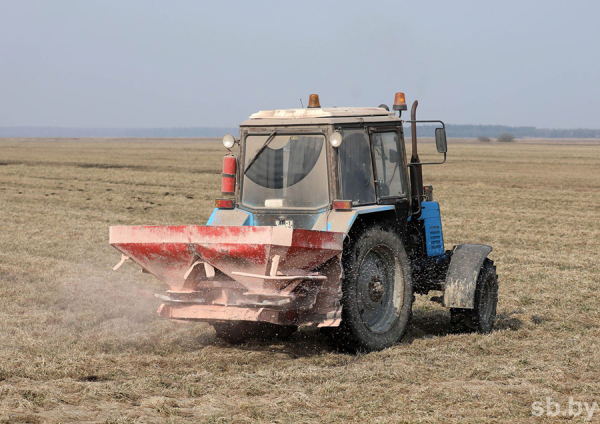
(461, 278)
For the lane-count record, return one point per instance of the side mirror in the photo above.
(440, 140)
(393, 156)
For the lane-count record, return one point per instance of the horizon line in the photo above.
(68, 127)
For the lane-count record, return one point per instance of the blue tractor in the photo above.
(325, 223)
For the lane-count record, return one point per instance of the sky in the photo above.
(180, 63)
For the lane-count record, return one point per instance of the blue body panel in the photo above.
(337, 221)
(343, 221)
(233, 217)
(212, 216)
(430, 215)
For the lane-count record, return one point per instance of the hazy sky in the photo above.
(141, 63)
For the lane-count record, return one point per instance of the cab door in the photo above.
(389, 168)
(388, 165)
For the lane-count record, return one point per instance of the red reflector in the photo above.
(224, 203)
(342, 205)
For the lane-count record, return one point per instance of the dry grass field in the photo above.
(81, 343)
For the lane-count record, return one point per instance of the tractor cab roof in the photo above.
(317, 116)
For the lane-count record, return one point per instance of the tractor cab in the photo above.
(302, 167)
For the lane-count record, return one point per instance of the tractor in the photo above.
(323, 223)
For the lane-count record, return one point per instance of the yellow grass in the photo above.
(82, 343)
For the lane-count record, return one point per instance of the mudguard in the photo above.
(461, 278)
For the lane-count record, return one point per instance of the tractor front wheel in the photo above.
(377, 291)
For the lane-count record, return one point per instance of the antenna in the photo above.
(301, 103)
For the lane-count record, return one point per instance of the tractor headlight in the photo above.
(336, 139)
(228, 141)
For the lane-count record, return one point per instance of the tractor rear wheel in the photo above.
(377, 292)
(481, 318)
(238, 332)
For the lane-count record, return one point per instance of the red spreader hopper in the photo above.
(272, 274)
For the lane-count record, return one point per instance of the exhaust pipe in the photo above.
(416, 172)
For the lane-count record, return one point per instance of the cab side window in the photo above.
(388, 164)
(356, 171)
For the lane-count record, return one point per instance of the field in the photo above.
(81, 343)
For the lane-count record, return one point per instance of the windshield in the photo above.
(291, 172)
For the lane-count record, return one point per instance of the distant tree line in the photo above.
(67, 132)
(492, 131)
(496, 131)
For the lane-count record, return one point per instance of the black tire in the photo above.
(238, 332)
(482, 317)
(377, 292)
